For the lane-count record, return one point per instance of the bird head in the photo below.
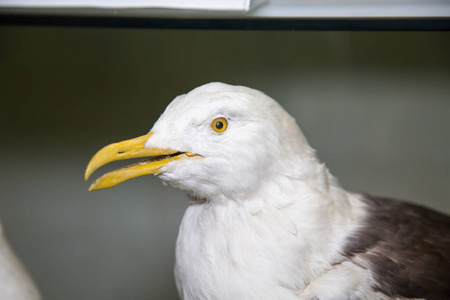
(216, 141)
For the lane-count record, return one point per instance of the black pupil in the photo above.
(219, 125)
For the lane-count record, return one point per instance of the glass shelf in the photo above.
(281, 15)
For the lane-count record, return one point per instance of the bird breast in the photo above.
(224, 252)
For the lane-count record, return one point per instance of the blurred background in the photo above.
(375, 105)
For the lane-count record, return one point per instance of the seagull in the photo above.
(15, 283)
(266, 219)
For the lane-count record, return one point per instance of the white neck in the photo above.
(293, 227)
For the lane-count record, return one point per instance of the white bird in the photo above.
(267, 220)
(15, 283)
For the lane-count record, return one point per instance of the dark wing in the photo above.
(406, 247)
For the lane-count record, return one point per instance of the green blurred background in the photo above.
(375, 105)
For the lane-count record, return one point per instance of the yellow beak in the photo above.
(132, 148)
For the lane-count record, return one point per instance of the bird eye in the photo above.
(219, 124)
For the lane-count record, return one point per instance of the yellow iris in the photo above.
(219, 124)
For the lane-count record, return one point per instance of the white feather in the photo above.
(15, 284)
(267, 220)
